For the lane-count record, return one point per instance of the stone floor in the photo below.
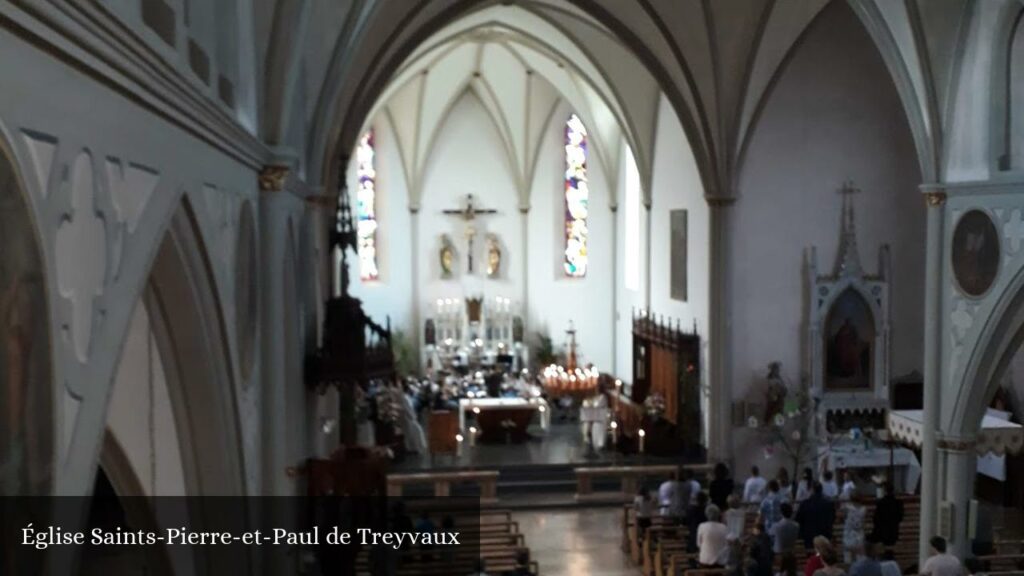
(584, 542)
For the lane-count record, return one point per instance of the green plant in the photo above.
(405, 356)
(543, 353)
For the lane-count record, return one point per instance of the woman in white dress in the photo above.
(853, 530)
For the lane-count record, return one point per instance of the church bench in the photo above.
(442, 481)
(1002, 562)
(628, 475)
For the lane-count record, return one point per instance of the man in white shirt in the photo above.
(829, 488)
(712, 539)
(941, 563)
(753, 489)
(849, 489)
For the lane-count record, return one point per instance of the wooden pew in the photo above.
(442, 481)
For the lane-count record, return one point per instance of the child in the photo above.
(735, 516)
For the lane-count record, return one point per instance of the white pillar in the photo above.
(524, 222)
(719, 382)
(416, 330)
(961, 468)
(936, 200)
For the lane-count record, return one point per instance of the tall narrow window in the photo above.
(632, 216)
(577, 196)
(366, 209)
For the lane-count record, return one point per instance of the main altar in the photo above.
(464, 335)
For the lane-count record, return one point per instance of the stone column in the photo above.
(647, 255)
(614, 367)
(416, 330)
(524, 212)
(961, 467)
(936, 200)
(719, 381)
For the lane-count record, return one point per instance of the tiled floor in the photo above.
(584, 542)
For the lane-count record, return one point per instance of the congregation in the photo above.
(757, 531)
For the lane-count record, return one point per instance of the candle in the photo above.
(642, 434)
(472, 436)
(458, 445)
(615, 433)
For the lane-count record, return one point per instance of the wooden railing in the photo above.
(442, 482)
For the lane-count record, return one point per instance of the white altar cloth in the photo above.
(538, 404)
(852, 454)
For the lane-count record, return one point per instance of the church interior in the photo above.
(646, 282)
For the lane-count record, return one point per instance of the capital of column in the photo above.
(272, 177)
(720, 201)
(935, 199)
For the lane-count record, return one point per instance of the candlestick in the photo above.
(472, 436)
(615, 433)
(458, 445)
(642, 434)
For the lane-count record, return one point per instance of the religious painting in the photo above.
(447, 257)
(430, 333)
(849, 337)
(26, 444)
(677, 255)
(975, 253)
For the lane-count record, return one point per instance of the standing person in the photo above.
(887, 517)
(889, 565)
(761, 555)
(853, 530)
(805, 486)
(785, 486)
(753, 488)
(721, 486)
(849, 488)
(712, 539)
(643, 506)
(669, 503)
(785, 532)
(696, 515)
(828, 484)
(816, 561)
(816, 516)
(771, 506)
(831, 561)
(941, 563)
(736, 517)
(867, 565)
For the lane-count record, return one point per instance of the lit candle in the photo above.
(642, 434)
(459, 439)
(472, 436)
(615, 433)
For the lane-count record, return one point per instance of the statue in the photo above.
(493, 256)
(775, 396)
(447, 256)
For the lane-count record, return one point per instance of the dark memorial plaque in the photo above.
(975, 253)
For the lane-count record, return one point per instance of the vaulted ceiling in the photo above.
(714, 60)
(521, 67)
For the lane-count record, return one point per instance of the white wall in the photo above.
(140, 416)
(833, 115)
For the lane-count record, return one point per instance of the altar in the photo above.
(496, 417)
(858, 455)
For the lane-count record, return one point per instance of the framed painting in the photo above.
(677, 255)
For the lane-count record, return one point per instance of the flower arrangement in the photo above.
(655, 406)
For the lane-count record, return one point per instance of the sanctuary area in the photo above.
(590, 287)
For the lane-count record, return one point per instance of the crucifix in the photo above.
(468, 215)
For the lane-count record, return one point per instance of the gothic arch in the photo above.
(26, 364)
(1005, 111)
(999, 340)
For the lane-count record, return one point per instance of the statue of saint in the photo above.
(775, 396)
(447, 256)
(493, 256)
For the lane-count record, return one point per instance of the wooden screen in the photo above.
(666, 361)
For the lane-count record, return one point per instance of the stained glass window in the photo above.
(576, 198)
(366, 209)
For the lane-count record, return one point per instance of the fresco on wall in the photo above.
(26, 441)
(849, 333)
